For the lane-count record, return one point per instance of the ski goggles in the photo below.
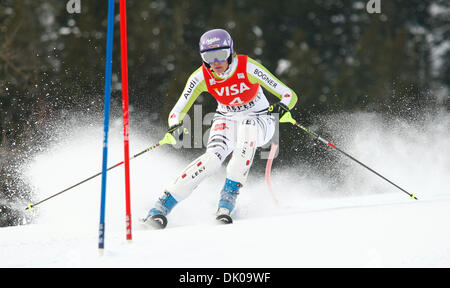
(219, 55)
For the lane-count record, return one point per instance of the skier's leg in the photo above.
(220, 144)
(193, 174)
(222, 137)
(238, 167)
(266, 128)
(246, 143)
(251, 133)
(186, 182)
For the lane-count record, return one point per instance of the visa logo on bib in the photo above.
(232, 90)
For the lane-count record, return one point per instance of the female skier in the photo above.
(242, 122)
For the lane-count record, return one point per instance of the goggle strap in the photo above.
(218, 48)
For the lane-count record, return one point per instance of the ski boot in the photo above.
(157, 215)
(227, 201)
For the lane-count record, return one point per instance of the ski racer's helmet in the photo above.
(216, 45)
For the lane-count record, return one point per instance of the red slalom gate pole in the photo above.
(124, 56)
(273, 150)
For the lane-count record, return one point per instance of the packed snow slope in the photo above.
(365, 222)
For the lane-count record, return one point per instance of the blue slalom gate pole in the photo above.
(109, 53)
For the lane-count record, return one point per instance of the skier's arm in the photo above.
(194, 87)
(259, 74)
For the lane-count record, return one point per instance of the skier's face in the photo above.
(219, 68)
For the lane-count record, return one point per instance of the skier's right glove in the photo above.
(177, 131)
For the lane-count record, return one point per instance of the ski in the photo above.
(156, 221)
(159, 221)
(224, 219)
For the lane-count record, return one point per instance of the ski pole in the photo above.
(288, 118)
(168, 139)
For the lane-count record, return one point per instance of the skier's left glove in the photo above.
(279, 108)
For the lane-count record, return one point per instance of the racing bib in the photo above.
(234, 91)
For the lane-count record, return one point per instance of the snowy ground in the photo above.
(359, 228)
(334, 235)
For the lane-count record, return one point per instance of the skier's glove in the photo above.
(279, 108)
(177, 131)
